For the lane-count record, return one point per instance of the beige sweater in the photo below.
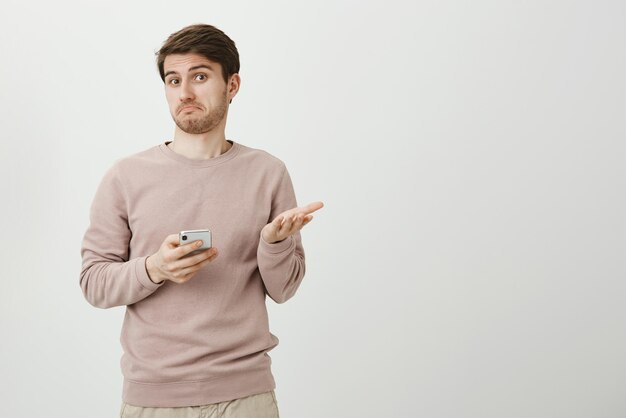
(206, 340)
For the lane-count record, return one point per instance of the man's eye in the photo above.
(175, 79)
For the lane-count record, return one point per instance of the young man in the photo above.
(196, 335)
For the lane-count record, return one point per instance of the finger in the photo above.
(185, 249)
(198, 258)
(312, 207)
(172, 240)
(284, 220)
(212, 256)
(287, 224)
(303, 221)
(296, 224)
(209, 259)
(203, 261)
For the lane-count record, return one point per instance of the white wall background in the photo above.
(469, 261)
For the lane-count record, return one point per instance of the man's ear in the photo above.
(232, 77)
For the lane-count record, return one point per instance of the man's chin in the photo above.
(191, 130)
(185, 127)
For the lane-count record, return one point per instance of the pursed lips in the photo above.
(189, 107)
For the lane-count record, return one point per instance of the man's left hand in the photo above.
(289, 222)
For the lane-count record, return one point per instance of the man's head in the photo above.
(199, 66)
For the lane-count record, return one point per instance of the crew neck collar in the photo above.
(194, 162)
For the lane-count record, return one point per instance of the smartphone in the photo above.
(186, 237)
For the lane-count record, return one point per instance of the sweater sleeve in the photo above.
(281, 264)
(108, 278)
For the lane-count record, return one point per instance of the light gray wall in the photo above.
(469, 261)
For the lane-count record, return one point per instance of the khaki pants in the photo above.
(262, 405)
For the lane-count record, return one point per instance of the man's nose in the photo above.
(186, 92)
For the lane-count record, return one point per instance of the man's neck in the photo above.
(199, 150)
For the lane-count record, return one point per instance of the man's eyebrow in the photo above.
(207, 66)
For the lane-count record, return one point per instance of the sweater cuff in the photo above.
(142, 274)
(277, 247)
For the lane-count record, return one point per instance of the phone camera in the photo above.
(184, 237)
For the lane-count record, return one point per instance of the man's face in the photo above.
(195, 92)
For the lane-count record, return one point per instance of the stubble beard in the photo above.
(192, 124)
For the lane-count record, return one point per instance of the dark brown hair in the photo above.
(205, 40)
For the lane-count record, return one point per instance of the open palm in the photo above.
(289, 222)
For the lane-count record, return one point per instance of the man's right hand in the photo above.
(168, 263)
